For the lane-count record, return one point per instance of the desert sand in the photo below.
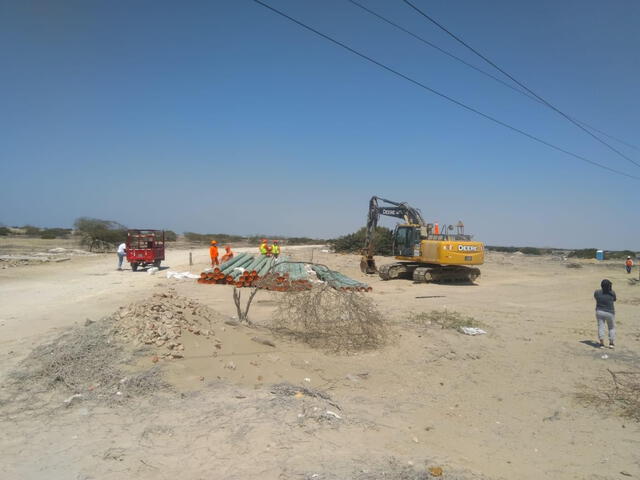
(502, 405)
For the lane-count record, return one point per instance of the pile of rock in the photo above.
(162, 319)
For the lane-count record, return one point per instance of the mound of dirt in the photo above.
(161, 320)
(97, 361)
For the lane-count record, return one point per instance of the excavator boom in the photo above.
(392, 209)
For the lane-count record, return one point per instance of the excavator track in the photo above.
(445, 274)
(392, 271)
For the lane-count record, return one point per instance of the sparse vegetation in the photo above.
(51, 233)
(608, 254)
(31, 231)
(170, 236)
(619, 254)
(302, 241)
(207, 237)
(525, 250)
(334, 320)
(223, 238)
(620, 392)
(86, 361)
(443, 319)
(584, 253)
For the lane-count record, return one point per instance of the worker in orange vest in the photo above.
(228, 254)
(213, 253)
(264, 247)
(628, 264)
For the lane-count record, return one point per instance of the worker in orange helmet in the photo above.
(275, 249)
(264, 247)
(213, 253)
(228, 254)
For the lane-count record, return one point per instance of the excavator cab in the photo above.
(406, 241)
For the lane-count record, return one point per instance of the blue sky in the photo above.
(219, 116)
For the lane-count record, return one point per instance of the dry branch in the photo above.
(340, 321)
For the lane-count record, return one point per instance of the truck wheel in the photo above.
(134, 266)
(156, 263)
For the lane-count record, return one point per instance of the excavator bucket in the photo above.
(368, 264)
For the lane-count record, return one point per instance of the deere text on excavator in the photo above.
(426, 251)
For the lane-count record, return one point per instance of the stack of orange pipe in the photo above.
(212, 277)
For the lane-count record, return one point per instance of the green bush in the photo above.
(46, 235)
(100, 233)
(170, 236)
(354, 242)
(4, 231)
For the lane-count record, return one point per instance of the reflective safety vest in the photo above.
(263, 248)
(275, 249)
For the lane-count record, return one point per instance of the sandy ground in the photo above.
(498, 406)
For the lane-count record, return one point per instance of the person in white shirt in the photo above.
(122, 252)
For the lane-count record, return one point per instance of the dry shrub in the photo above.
(335, 320)
(443, 319)
(86, 361)
(574, 265)
(74, 360)
(621, 393)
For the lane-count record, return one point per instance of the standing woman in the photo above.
(605, 312)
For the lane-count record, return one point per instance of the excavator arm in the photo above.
(391, 209)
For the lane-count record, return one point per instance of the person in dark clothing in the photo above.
(605, 312)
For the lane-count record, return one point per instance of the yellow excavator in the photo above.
(426, 252)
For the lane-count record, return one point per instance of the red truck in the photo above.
(145, 248)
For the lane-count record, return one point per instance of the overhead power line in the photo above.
(442, 95)
(441, 50)
(548, 104)
(477, 69)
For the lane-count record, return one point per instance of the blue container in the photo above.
(599, 254)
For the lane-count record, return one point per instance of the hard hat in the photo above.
(275, 241)
(263, 240)
(213, 242)
(227, 247)
(628, 257)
